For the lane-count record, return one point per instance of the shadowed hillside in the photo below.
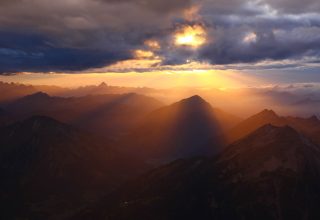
(310, 127)
(110, 115)
(48, 167)
(187, 128)
(271, 174)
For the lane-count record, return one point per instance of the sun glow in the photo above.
(153, 44)
(192, 36)
(143, 54)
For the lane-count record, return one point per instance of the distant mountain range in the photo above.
(107, 115)
(12, 91)
(240, 101)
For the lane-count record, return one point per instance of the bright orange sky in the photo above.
(162, 79)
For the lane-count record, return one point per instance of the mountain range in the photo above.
(109, 115)
(130, 156)
(310, 127)
(273, 173)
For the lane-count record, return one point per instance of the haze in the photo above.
(160, 109)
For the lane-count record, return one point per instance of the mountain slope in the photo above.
(270, 148)
(11, 91)
(274, 173)
(104, 88)
(309, 127)
(183, 129)
(103, 114)
(44, 163)
(4, 117)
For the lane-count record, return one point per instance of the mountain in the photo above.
(104, 88)
(4, 117)
(274, 171)
(10, 91)
(310, 127)
(50, 168)
(269, 149)
(13, 91)
(271, 174)
(254, 122)
(103, 114)
(187, 128)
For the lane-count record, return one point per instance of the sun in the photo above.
(192, 36)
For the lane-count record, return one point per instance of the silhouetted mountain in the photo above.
(50, 168)
(103, 114)
(104, 88)
(10, 91)
(252, 123)
(272, 174)
(187, 128)
(310, 127)
(3, 117)
(269, 149)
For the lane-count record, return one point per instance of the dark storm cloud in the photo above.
(279, 30)
(32, 53)
(68, 35)
(230, 45)
(295, 6)
(164, 6)
(76, 35)
(282, 30)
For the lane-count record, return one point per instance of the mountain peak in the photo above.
(196, 99)
(38, 95)
(268, 112)
(103, 84)
(314, 118)
(267, 115)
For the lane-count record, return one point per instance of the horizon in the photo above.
(299, 99)
(160, 109)
(192, 43)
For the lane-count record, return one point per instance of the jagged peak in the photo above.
(38, 95)
(269, 112)
(103, 84)
(314, 118)
(266, 113)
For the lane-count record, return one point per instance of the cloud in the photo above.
(68, 35)
(77, 35)
(34, 53)
(231, 45)
(294, 6)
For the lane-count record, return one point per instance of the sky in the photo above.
(160, 43)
